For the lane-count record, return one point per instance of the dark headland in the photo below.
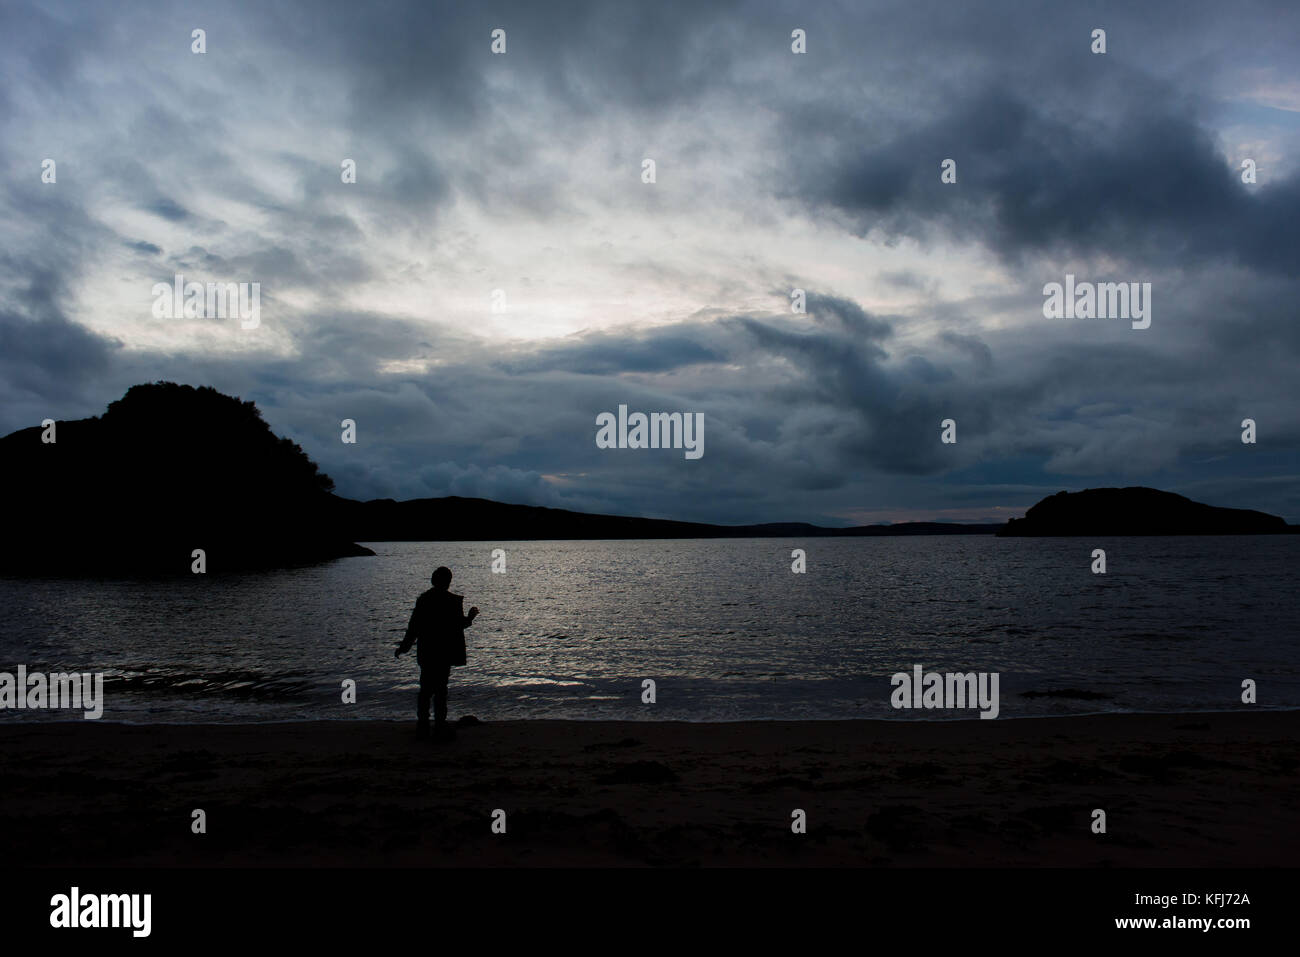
(170, 468)
(1137, 511)
(167, 469)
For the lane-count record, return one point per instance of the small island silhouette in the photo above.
(1137, 511)
(171, 468)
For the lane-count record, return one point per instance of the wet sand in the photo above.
(1202, 790)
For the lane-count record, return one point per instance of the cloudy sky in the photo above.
(522, 172)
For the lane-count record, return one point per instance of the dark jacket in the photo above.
(438, 624)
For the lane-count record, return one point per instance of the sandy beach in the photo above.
(1203, 790)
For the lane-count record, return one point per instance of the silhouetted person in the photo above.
(438, 624)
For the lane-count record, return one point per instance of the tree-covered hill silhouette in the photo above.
(166, 469)
(1137, 511)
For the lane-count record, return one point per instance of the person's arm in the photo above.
(412, 631)
(469, 619)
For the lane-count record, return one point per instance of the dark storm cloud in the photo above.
(972, 346)
(168, 210)
(581, 53)
(1147, 181)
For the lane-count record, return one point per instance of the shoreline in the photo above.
(1191, 790)
(126, 722)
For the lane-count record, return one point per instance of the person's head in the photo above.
(441, 577)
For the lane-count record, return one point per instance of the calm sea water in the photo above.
(724, 628)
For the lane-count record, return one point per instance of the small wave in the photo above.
(244, 685)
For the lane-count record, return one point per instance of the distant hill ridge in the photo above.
(171, 468)
(476, 519)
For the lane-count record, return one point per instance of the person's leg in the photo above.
(428, 681)
(440, 694)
